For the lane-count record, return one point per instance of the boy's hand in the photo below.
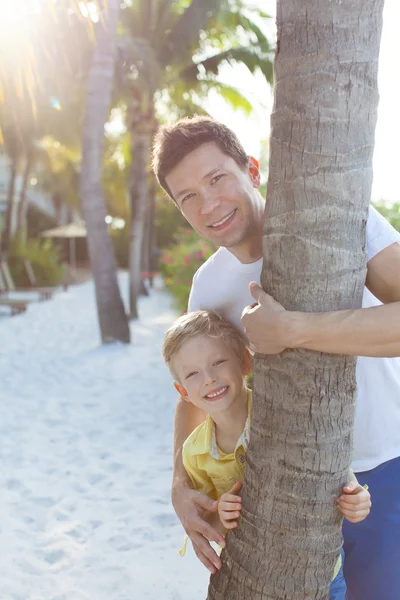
(229, 507)
(355, 502)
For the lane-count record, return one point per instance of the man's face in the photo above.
(216, 196)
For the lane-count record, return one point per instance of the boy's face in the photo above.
(216, 196)
(209, 373)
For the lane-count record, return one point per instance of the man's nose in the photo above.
(210, 203)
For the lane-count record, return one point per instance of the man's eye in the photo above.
(215, 179)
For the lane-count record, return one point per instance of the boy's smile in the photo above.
(210, 374)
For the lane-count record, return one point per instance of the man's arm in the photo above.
(189, 504)
(187, 418)
(361, 332)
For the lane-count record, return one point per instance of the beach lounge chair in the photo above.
(16, 306)
(45, 293)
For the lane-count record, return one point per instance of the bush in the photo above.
(44, 258)
(390, 212)
(179, 262)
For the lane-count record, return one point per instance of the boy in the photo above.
(209, 362)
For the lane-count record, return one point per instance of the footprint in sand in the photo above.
(165, 520)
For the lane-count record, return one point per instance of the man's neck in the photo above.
(251, 250)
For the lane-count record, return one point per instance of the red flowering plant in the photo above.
(180, 261)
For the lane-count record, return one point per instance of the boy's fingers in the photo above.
(231, 525)
(229, 506)
(230, 515)
(235, 488)
(230, 498)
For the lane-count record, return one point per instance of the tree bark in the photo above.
(319, 187)
(22, 207)
(112, 318)
(8, 224)
(138, 194)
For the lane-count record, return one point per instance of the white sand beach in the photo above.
(85, 458)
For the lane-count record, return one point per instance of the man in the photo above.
(203, 167)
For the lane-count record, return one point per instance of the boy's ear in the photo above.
(254, 171)
(181, 390)
(247, 362)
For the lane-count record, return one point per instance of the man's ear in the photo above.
(181, 390)
(254, 171)
(247, 363)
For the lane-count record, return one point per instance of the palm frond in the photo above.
(255, 57)
(185, 33)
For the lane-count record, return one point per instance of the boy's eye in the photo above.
(219, 362)
(216, 178)
(191, 374)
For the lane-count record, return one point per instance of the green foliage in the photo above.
(180, 262)
(168, 220)
(44, 258)
(391, 213)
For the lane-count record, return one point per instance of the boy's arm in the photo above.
(188, 503)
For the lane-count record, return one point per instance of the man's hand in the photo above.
(265, 323)
(229, 507)
(190, 507)
(355, 502)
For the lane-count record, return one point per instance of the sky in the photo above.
(251, 130)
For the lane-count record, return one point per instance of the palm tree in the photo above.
(165, 55)
(318, 195)
(112, 318)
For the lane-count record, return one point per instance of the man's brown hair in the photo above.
(173, 142)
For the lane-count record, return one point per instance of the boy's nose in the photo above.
(210, 378)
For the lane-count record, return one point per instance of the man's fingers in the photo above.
(204, 530)
(206, 503)
(208, 557)
(255, 290)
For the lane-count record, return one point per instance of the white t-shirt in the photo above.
(221, 284)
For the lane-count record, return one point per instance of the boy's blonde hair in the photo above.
(200, 322)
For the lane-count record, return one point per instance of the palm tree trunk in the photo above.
(22, 207)
(314, 238)
(138, 194)
(147, 238)
(112, 318)
(9, 220)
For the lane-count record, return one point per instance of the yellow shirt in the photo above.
(211, 471)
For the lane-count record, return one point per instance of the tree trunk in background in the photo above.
(138, 195)
(319, 188)
(8, 222)
(152, 228)
(147, 236)
(22, 206)
(112, 318)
